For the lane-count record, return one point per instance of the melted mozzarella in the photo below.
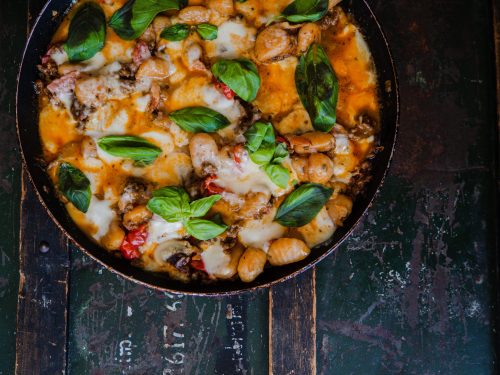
(160, 230)
(142, 102)
(215, 259)
(216, 100)
(100, 214)
(342, 144)
(234, 39)
(260, 233)
(245, 178)
(161, 138)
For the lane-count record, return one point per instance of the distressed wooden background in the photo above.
(413, 291)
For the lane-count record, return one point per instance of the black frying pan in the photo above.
(27, 128)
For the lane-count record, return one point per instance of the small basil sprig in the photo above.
(138, 149)
(239, 75)
(199, 119)
(318, 87)
(172, 204)
(74, 185)
(87, 32)
(130, 21)
(180, 31)
(302, 205)
(305, 10)
(263, 151)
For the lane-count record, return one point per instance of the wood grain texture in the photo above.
(292, 326)
(43, 291)
(42, 311)
(12, 38)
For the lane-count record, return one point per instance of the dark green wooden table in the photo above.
(412, 291)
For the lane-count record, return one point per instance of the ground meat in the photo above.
(135, 192)
(48, 70)
(127, 71)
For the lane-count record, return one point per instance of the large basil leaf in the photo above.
(201, 206)
(257, 134)
(318, 87)
(74, 185)
(179, 31)
(138, 149)
(302, 205)
(280, 154)
(278, 174)
(87, 32)
(239, 75)
(207, 31)
(199, 119)
(171, 203)
(204, 229)
(130, 21)
(305, 10)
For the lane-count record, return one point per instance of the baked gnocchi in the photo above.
(208, 139)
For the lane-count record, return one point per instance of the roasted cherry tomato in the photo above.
(132, 241)
(222, 87)
(210, 186)
(198, 264)
(238, 151)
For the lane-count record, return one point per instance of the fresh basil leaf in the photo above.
(87, 32)
(130, 21)
(278, 174)
(172, 192)
(280, 154)
(201, 206)
(207, 31)
(302, 205)
(138, 149)
(74, 185)
(171, 203)
(179, 31)
(257, 134)
(264, 154)
(169, 209)
(305, 10)
(199, 119)
(204, 229)
(239, 75)
(317, 87)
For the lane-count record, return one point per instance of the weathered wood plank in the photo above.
(43, 289)
(12, 36)
(411, 292)
(41, 339)
(120, 327)
(292, 326)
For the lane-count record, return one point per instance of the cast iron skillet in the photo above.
(27, 128)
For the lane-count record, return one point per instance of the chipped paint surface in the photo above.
(409, 292)
(120, 327)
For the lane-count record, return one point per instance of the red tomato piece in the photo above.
(132, 241)
(210, 186)
(222, 87)
(238, 153)
(198, 264)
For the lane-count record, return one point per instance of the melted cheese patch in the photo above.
(234, 39)
(160, 230)
(216, 260)
(260, 233)
(245, 178)
(97, 219)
